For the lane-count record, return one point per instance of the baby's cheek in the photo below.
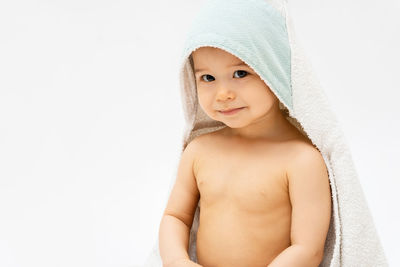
(206, 105)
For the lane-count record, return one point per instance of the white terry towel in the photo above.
(260, 32)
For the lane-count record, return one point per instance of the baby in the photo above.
(263, 186)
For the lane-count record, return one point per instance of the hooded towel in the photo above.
(261, 33)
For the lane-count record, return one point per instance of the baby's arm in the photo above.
(310, 197)
(178, 215)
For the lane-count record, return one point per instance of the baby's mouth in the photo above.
(231, 111)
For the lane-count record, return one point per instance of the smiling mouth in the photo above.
(231, 111)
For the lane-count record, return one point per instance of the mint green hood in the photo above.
(254, 31)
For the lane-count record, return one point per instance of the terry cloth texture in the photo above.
(261, 33)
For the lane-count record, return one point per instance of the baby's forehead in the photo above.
(205, 56)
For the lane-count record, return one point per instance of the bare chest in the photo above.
(244, 202)
(250, 181)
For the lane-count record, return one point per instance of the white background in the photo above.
(91, 120)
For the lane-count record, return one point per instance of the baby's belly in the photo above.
(228, 236)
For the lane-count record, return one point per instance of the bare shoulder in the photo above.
(306, 167)
(197, 147)
(305, 154)
(198, 142)
(205, 139)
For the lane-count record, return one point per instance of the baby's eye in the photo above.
(205, 75)
(241, 72)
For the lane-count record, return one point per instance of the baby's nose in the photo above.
(223, 93)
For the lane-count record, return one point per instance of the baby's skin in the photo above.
(263, 187)
(245, 209)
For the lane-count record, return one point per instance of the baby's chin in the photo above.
(234, 123)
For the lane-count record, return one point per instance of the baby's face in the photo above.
(225, 82)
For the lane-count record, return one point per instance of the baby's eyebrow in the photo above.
(234, 65)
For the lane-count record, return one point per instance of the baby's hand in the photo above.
(182, 263)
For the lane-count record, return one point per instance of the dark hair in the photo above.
(191, 62)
